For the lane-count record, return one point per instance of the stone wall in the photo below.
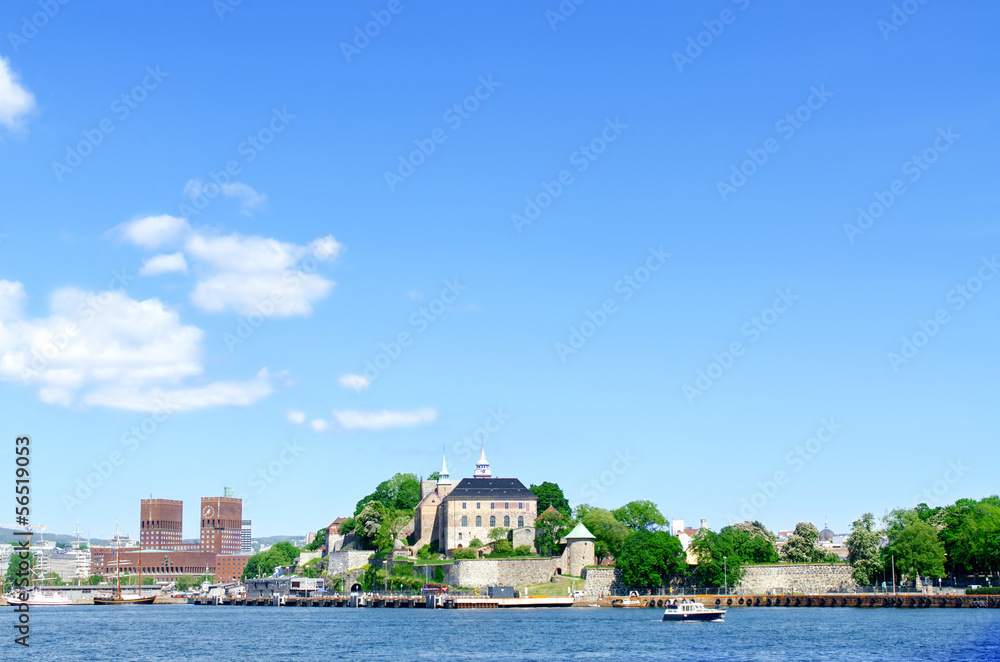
(347, 560)
(480, 573)
(306, 557)
(798, 578)
(601, 581)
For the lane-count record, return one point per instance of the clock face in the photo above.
(208, 511)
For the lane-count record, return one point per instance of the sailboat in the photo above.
(117, 597)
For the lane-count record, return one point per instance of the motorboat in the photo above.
(689, 610)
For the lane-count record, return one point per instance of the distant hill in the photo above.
(7, 536)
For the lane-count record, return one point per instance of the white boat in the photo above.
(37, 597)
(689, 610)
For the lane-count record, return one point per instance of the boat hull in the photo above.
(706, 615)
(35, 602)
(125, 601)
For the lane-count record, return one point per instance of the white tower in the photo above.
(443, 477)
(482, 467)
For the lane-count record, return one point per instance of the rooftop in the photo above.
(491, 488)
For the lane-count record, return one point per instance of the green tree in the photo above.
(522, 550)
(496, 533)
(970, 531)
(609, 533)
(264, 563)
(475, 543)
(436, 475)
(502, 548)
(52, 579)
(465, 553)
(640, 516)
(917, 551)
(550, 494)
(94, 580)
(184, 582)
(801, 546)
(550, 527)
(438, 574)
(15, 572)
(721, 556)
(401, 492)
(864, 550)
(649, 558)
(318, 542)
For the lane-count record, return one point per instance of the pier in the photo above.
(389, 602)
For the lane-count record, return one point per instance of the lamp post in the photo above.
(725, 577)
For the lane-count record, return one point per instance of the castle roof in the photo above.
(491, 488)
(579, 531)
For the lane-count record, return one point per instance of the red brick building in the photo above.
(221, 525)
(160, 564)
(229, 567)
(161, 523)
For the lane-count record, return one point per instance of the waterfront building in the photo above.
(161, 523)
(229, 567)
(222, 524)
(163, 565)
(455, 514)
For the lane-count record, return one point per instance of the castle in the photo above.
(454, 515)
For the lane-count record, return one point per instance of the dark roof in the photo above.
(491, 488)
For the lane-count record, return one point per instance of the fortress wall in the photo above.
(798, 578)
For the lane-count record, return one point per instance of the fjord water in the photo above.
(223, 633)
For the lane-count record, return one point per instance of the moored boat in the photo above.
(36, 598)
(689, 610)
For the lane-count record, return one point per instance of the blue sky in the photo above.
(626, 134)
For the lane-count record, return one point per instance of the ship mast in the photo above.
(118, 559)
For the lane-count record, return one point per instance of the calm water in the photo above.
(220, 634)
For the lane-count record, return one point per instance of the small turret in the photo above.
(482, 467)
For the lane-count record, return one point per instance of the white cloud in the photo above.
(216, 394)
(15, 101)
(153, 232)
(357, 382)
(377, 420)
(11, 299)
(297, 417)
(164, 264)
(250, 200)
(319, 425)
(110, 350)
(245, 273)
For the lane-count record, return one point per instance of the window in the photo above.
(463, 505)
(465, 520)
(492, 506)
(493, 520)
(506, 521)
(520, 506)
(520, 521)
(506, 506)
(459, 536)
(478, 505)
(479, 521)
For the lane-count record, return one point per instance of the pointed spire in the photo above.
(482, 467)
